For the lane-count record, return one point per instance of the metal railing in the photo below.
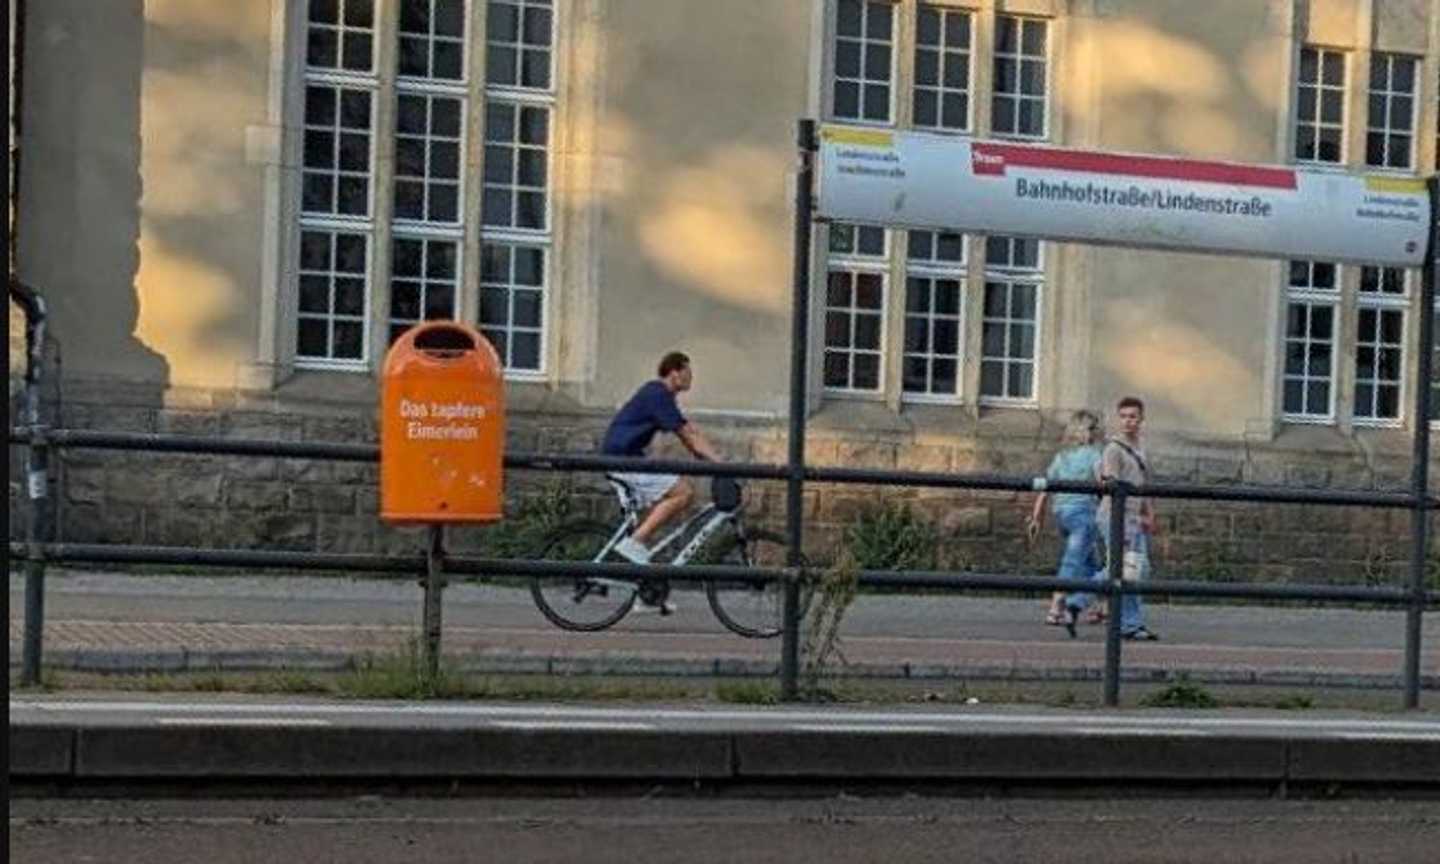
(434, 562)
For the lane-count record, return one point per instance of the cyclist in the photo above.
(653, 409)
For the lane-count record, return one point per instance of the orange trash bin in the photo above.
(442, 427)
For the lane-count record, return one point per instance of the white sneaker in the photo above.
(664, 607)
(633, 550)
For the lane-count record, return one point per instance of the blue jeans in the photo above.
(1132, 610)
(1078, 562)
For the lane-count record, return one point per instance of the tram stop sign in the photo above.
(442, 427)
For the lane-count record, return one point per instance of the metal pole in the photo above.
(37, 483)
(799, 358)
(1115, 551)
(1420, 469)
(38, 534)
(434, 588)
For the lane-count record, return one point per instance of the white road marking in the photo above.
(863, 728)
(242, 721)
(578, 725)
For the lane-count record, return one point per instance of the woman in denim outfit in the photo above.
(1074, 511)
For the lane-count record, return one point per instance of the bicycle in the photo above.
(590, 603)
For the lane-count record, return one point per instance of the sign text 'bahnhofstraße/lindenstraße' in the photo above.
(1134, 196)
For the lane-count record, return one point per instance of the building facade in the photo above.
(232, 208)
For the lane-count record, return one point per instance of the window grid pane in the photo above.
(1382, 303)
(424, 282)
(519, 42)
(861, 242)
(1007, 359)
(333, 296)
(340, 35)
(513, 284)
(1320, 106)
(432, 39)
(933, 328)
(1309, 343)
(428, 158)
(516, 166)
(854, 314)
(1390, 126)
(942, 69)
(864, 40)
(335, 179)
(1020, 77)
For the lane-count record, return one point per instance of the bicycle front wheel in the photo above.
(752, 610)
(580, 602)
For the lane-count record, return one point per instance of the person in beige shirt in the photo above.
(1124, 459)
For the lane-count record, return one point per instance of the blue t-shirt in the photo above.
(1075, 463)
(650, 410)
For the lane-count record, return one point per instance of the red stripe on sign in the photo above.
(992, 159)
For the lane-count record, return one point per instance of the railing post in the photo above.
(37, 534)
(799, 358)
(434, 592)
(1420, 468)
(1115, 585)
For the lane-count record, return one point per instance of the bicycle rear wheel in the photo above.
(752, 610)
(579, 602)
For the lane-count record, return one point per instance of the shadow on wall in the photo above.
(1183, 79)
(205, 80)
(694, 213)
(79, 208)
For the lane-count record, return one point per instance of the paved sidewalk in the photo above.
(124, 622)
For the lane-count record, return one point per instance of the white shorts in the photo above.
(648, 488)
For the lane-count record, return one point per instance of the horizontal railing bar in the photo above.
(693, 573)
(567, 462)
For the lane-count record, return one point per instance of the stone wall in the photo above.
(272, 503)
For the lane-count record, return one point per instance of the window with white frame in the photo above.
(1312, 307)
(1384, 295)
(1011, 310)
(424, 87)
(1320, 106)
(1390, 123)
(516, 230)
(430, 114)
(942, 68)
(934, 314)
(337, 184)
(1017, 105)
(855, 293)
(424, 281)
(863, 63)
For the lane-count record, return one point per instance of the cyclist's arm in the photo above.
(696, 442)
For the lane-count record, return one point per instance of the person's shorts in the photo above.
(647, 488)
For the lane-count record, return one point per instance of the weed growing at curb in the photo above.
(748, 692)
(834, 592)
(1182, 694)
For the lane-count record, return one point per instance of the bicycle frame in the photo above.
(716, 519)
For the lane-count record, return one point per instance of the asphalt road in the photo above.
(339, 601)
(836, 830)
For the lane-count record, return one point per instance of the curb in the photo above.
(110, 661)
(210, 754)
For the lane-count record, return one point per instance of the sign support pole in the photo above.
(799, 358)
(1420, 467)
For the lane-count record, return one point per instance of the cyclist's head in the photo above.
(675, 370)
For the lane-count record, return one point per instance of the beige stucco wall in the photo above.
(698, 107)
(140, 216)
